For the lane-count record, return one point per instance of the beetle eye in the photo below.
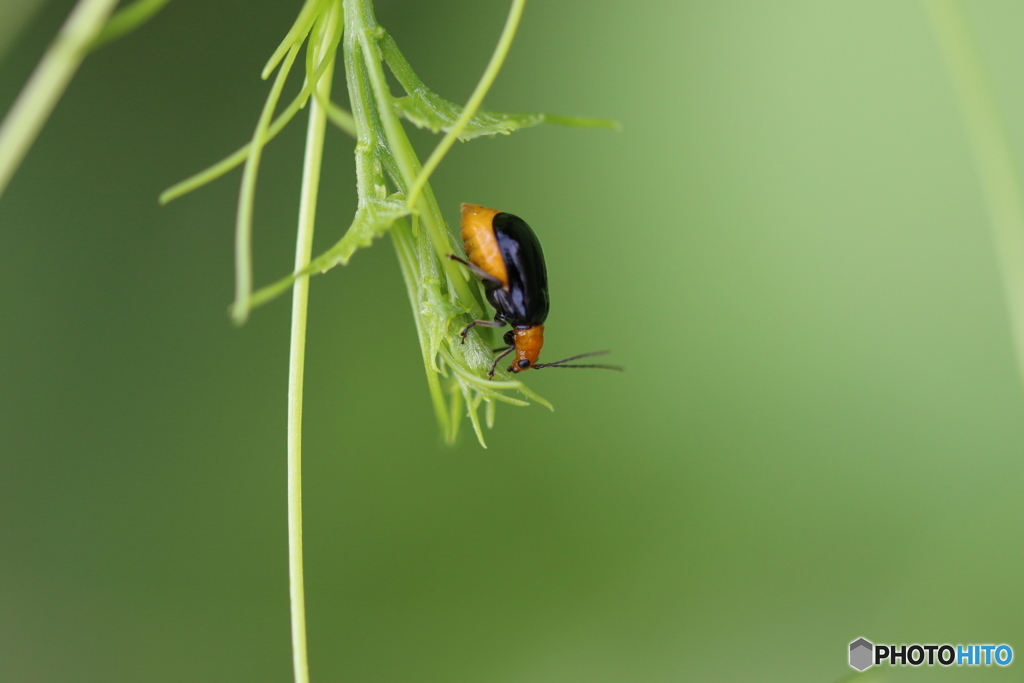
(510, 338)
(523, 364)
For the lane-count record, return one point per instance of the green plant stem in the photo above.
(315, 133)
(401, 237)
(990, 145)
(302, 25)
(369, 174)
(247, 195)
(360, 20)
(48, 82)
(475, 100)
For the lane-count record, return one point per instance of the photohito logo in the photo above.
(864, 654)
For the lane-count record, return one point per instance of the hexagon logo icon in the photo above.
(860, 654)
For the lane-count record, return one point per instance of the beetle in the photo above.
(505, 254)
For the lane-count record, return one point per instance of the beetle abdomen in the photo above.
(480, 244)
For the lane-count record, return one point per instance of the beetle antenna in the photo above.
(603, 367)
(560, 363)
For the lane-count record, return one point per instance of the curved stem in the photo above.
(47, 83)
(475, 100)
(247, 195)
(297, 359)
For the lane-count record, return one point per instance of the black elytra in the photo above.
(525, 302)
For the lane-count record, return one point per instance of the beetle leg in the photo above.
(480, 273)
(484, 323)
(490, 375)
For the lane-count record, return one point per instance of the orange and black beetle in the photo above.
(506, 255)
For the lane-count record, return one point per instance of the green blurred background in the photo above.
(819, 435)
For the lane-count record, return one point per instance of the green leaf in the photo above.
(427, 109)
